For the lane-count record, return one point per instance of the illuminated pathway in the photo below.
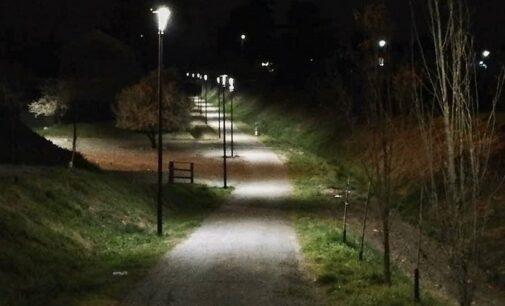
(246, 253)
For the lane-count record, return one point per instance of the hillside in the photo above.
(325, 152)
(65, 232)
(20, 145)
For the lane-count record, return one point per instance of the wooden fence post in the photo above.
(171, 172)
(192, 167)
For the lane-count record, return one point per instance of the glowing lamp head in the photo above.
(382, 43)
(219, 80)
(223, 80)
(486, 53)
(243, 37)
(192, 75)
(187, 74)
(205, 77)
(231, 81)
(163, 13)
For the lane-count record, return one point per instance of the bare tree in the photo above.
(378, 162)
(457, 156)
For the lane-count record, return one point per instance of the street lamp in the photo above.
(382, 45)
(225, 168)
(219, 106)
(163, 15)
(231, 82)
(205, 78)
(484, 55)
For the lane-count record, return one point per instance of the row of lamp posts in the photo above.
(224, 83)
(163, 15)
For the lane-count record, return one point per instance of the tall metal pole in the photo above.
(206, 113)
(225, 168)
(200, 106)
(160, 136)
(231, 110)
(219, 111)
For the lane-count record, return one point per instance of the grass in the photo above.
(345, 279)
(65, 232)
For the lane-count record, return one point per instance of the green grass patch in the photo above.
(64, 233)
(345, 279)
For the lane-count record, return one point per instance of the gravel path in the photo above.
(246, 253)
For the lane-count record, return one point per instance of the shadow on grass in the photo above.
(64, 233)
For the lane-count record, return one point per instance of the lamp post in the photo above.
(219, 106)
(205, 78)
(163, 15)
(232, 89)
(225, 167)
(200, 82)
(382, 46)
(484, 55)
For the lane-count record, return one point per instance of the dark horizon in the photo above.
(193, 35)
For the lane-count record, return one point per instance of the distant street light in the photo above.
(382, 52)
(484, 55)
(243, 37)
(225, 167)
(163, 15)
(231, 81)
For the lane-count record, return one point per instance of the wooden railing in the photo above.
(181, 171)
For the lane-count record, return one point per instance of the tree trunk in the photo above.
(74, 138)
(152, 139)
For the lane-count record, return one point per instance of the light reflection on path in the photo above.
(246, 253)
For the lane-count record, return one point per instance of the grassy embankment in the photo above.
(312, 158)
(64, 233)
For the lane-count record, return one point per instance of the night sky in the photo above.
(32, 31)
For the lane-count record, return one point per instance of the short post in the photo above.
(362, 242)
(346, 203)
(171, 172)
(417, 290)
(192, 168)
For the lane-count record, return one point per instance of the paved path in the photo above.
(244, 254)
